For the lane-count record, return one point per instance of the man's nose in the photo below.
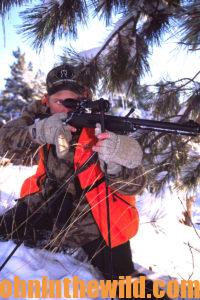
(66, 109)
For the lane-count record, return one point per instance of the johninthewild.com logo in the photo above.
(77, 288)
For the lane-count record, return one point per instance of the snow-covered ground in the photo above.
(163, 248)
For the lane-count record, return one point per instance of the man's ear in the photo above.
(45, 100)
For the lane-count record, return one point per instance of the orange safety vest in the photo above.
(124, 219)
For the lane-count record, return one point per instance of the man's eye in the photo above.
(58, 102)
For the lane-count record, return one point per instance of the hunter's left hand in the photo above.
(118, 149)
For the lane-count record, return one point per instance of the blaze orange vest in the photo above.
(124, 218)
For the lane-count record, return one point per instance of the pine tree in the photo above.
(21, 88)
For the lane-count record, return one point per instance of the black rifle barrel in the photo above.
(123, 125)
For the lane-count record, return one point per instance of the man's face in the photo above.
(55, 101)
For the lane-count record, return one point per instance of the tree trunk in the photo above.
(187, 214)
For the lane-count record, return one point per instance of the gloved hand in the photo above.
(52, 131)
(117, 150)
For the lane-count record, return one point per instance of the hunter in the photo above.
(63, 206)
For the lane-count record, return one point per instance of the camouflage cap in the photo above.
(63, 77)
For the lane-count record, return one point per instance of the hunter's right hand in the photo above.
(52, 131)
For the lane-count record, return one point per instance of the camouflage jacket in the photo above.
(15, 142)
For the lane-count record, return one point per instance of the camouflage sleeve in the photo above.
(15, 140)
(129, 181)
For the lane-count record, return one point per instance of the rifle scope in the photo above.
(81, 105)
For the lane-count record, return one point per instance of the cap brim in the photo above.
(61, 85)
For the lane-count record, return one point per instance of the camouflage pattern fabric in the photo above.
(51, 219)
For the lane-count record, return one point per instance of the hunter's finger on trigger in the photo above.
(103, 135)
(71, 128)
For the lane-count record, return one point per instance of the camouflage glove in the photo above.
(118, 150)
(52, 131)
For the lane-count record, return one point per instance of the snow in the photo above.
(163, 248)
(90, 53)
(11, 179)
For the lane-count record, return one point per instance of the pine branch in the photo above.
(117, 62)
(193, 102)
(173, 83)
(53, 20)
(105, 8)
(192, 177)
(123, 23)
(190, 28)
(6, 5)
(88, 73)
(152, 29)
(158, 22)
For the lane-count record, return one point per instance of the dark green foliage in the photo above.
(54, 20)
(166, 103)
(22, 87)
(5, 5)
(190, 27)
(170, 157)
(88, 72)
(105, 9)
(123, 57)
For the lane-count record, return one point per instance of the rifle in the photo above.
(79, 118)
